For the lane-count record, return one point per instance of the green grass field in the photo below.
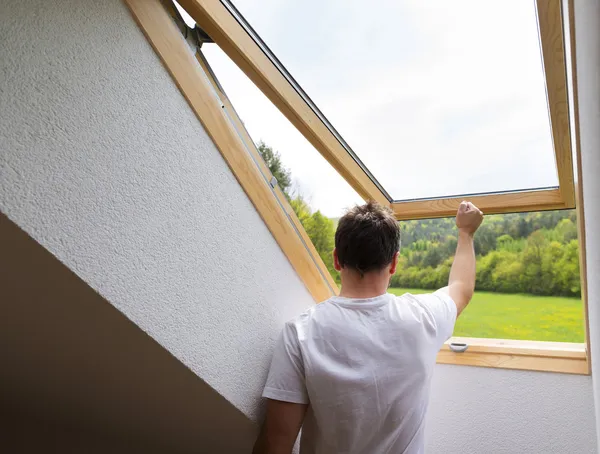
(528, 317)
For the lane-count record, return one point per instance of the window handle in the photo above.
(458, 347)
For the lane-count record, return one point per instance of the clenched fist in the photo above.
(468, 218)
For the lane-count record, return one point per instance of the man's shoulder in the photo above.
(425, 303)
(424, 298)
(411, 299)
(300, 323)
(310, 313)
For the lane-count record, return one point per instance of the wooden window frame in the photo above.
(274, 81)
(220, 20)
(563, 357)
(266, 172)
(216, 114)
(571, 358)
(214, 110)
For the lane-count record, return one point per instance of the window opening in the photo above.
(528, 283)
(429, 110)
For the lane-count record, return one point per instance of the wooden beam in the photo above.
(214, 18)
(550, 23)
(547, 199)
(165, 38)
(568, 358)
(579, 186)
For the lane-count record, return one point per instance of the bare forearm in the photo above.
(280, 429)
(461, 283)
(266, 444)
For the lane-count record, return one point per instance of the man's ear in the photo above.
(394, 263)
(336, 262)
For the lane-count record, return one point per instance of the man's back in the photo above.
(354, 372)
(365, 366)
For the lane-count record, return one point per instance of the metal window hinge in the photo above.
(273, 182)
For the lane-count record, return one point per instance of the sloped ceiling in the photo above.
(70, 357)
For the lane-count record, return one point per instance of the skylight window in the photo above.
(512, 257)
(312, 177)
(417, 105)
(436, 98)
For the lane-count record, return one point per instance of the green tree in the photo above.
(320, 229)
(507, 276)
(551, 255)
(273, 161)
(301, 209)
(432, 257)
(524, 252)
(567, 230)
(532, 263)
(567, 270)
(321, 232)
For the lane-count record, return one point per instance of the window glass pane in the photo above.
(437, 98)
(312, 176)
(528, 283)
(316, 192)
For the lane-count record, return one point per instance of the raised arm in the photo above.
(461, 283)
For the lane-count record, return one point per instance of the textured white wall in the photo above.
(587, 29)
(106, 166)
(498, 411)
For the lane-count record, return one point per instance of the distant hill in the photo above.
(526, 252)
(517, 225)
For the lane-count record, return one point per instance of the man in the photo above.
(355, 371)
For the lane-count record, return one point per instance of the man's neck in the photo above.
(368, 286)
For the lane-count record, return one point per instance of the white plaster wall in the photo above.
(587, 33)
(499, 411)
(103, 163)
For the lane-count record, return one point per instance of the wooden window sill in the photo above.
(563, 357)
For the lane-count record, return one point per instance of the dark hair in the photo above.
(367, 237)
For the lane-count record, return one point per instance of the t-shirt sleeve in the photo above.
(286, 376)
(442, 313)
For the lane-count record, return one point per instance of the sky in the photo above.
(437, 98)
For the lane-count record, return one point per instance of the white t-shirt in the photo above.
(365, 367)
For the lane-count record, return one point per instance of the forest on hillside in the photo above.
(536, 253)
